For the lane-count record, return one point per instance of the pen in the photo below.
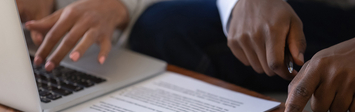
(288, 59)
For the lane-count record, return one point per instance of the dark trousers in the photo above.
(189, 34)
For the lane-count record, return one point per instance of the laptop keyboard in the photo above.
(61, 82)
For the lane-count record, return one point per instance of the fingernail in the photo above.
(102, 60)
(38, 60)
(301, 57)
(74, 56)
(49, 66)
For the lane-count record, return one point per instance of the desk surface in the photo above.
(204, 78)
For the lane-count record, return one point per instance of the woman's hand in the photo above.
(82, 24)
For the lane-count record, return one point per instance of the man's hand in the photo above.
(329, 78)
(84, 23)
(259, 32)
(34, 10)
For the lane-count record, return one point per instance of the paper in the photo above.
(172, 92)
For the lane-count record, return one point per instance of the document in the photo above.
(172, 92)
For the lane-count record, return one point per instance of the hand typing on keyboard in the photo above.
(82, 24)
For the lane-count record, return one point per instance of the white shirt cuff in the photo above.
(225, 9)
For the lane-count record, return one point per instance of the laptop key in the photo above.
(43, 85)
(54, 80)
(41, 76)
(55, 89)
(45, 100)
(61, 91)
(43, 93)
(53, 96)
(82, 83)
(66, 70)
(70, 86)
(61, 81)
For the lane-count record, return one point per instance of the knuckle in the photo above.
(269, 29)
(275, 65)
(243, 38)
(233, 42)
(71, 11)
(256, 35)
(302, 92)
(335, 72)
(319, 61)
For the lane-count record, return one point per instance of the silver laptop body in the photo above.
(18, 87)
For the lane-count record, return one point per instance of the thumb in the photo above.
(297, 41)
(45, 24)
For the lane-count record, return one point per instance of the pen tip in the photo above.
(290, 70)
(290, 67)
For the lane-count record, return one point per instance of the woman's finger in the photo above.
(37, 37)
(84, 44)
(68, 42)
(60, 28)
(105, 47)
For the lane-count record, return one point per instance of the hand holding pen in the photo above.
(259, 32)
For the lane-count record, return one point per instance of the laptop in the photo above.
(32, 89)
